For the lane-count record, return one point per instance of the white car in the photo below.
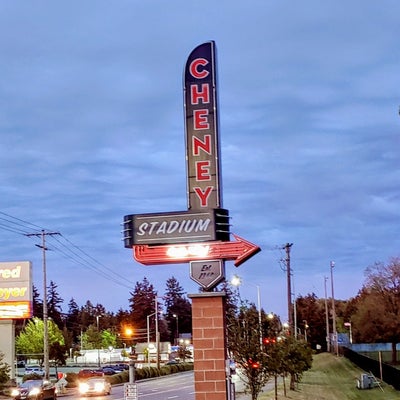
(95, 386)
(34, 370)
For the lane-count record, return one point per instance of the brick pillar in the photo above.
(209, 343)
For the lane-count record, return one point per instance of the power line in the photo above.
(68, 249)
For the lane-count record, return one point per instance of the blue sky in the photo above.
(92, 129)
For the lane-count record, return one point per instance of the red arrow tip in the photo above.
(249, 250)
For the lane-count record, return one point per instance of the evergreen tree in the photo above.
(37, 303)
(142, 304)
(87, 315)
(54, 301)
(72, 321)
(178, 310)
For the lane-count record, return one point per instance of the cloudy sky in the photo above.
(92, 129)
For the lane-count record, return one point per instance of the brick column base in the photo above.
(209, 343)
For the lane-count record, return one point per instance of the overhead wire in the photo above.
(67, 249)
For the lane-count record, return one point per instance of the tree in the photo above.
(72, 321)
(4, 370)
(54, 302)
(142, 304)
(310, 313)
(378, 308)
(244, 345)
(91, 339)
(37, 303)
(108, 339)
(30, 340)
(296, 359)
(178, 309)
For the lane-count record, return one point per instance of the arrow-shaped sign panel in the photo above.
(239, 250)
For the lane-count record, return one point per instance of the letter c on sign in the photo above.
(194, 68)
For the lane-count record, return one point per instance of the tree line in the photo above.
(373, 314)
(92, 326)
(262, 351)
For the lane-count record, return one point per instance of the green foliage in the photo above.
(30, 340)
(91, 338)
(178, 310)
(4, 370)
(377, 318)
(142, 303)
(108, 338)
(244, 345)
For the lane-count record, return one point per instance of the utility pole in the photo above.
(289, 286)
(335, 337)
(328, 343)
(43, 235)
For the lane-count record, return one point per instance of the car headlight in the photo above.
(34, 391)
(14, 392)
(83, 387)
(99, 387)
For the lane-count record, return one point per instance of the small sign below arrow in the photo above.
(207, 273)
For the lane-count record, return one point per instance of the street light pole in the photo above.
(259, 314)
(236, 281)
(177, 328)
(328, 344)
(157, 333)
(335, 338)
(98, 333)
(148, 338)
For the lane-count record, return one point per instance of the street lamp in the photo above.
(148, 338)
(348, 325)
(177, 328)
(236, 281)
(98, 332)
(305, 329)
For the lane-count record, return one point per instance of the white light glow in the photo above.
(188, 251)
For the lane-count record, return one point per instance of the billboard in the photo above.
(15, 290)
(201, 125)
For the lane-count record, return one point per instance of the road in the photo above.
(172, 387)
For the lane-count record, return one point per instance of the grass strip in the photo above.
(332, 378)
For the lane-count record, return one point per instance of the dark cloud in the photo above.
(91, 122)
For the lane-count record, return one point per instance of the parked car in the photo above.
(95, 386)
(172, 362)
(89, 373)
(108, 371)
(117, 367)
(34, 370)
(35, 389)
